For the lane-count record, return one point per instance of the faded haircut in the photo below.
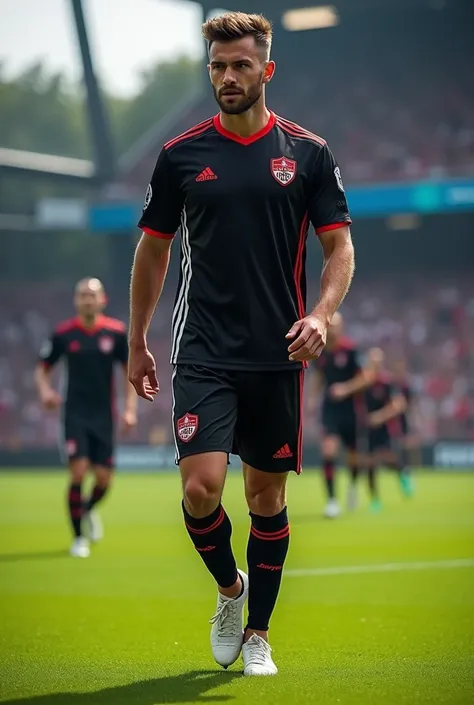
(235, 25)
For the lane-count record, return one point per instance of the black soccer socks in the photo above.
(97, 494)
(329, 477)
(266, 552)
(211, 538)
(75, 507)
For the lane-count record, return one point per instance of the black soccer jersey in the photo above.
(90, 355)
(244, 206)
(380, 393)
(339, 364)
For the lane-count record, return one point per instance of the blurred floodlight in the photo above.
(310, 18)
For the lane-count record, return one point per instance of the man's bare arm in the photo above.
(150, 266)
(338, 270)
(309, 333)
(395, 407)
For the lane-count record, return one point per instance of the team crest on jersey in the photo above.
(187, 427)
(283, 170)
(106, 344)
(340, 360)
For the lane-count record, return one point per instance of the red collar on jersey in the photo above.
(98, 324)
(244, 140)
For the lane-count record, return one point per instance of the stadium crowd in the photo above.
(429, 325)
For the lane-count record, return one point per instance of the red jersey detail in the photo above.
(100, 323)
(297, 131)
(332, 226)
(192, 132)
(156, 233)
(244, 140)
(206, 175)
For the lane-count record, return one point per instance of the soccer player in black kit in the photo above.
(340, 374)
(91, 344)
(384, 402)
(242, 187)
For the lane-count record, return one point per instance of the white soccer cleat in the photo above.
(80, 548)
(332, 510)
(227, 626)
(352, 499)
(257, 656)
(96, 529)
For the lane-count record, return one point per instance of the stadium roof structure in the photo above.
(105, 168)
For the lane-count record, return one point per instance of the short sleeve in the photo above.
(328, 207)
(121, 348)
(51, 350)
(163, 201)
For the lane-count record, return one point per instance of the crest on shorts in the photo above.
(106, 344)
(71, 447)
(187, 427)
(283, 170)
(340, 359)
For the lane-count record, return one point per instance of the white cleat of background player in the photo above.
(95, 527)
(332, 510)
(257, 656)
(80, 548)
(227, 626)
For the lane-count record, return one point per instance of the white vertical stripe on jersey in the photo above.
(178, 307)
(182, 315)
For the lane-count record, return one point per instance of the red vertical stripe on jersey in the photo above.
(298, 271)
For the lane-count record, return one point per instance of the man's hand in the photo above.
(142, 372)
(373, 420)
(309, 335)
(50, 399)
(338, 391)
(128, 420)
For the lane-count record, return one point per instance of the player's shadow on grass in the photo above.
(40, 556)
(187, 687)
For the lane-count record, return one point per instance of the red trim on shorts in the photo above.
(157, 233)
(244, 140)
(332, 226)
(194, 131)
(299, 452)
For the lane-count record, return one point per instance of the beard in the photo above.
(242, 102)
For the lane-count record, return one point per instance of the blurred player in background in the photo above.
(90, 343)
(384, 402)
(400, 427)
(244, 186)
(339, 373)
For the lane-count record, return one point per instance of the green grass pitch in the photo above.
(385, 617)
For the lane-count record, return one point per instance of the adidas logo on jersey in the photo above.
(206, 175)
(284, 452)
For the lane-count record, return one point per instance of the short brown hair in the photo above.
(235, 25)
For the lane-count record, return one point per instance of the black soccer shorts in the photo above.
(379, 439)
(91, 438)
(342, 424)
(256, 415)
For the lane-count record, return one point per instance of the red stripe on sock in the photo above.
(213, 526)
(271, 535)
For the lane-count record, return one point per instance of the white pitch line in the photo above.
(380, 568)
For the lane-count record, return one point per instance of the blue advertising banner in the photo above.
(377, 200)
